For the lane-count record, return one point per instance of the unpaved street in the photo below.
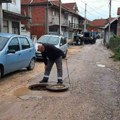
(94, 93)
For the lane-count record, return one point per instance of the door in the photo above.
(12, 58)
(26, 51)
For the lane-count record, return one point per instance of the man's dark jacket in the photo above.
(51, 53)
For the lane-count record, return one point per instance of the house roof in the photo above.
(9, 14)
(70, 6)
(112, 20)
(32, 1)
(118, 12)
(100, 22)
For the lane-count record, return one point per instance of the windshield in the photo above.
(3, 41)
(49, 39)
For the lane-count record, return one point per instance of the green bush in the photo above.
(115, 47)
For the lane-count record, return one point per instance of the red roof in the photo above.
(69, 6)
(66, 6)
(33, 1)
(100, 22)
(118, 12)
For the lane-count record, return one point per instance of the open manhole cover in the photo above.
(57, 87)
(38, 87)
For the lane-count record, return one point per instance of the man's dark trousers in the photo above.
(58, 62)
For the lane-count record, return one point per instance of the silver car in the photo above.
(56, 40)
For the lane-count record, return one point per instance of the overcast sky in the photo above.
(96, 9)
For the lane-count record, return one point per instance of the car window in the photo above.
(14, 44)
(49, 39)
(63, 41)
(3, 41)
(24, 43)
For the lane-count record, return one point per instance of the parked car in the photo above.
(78, 39)
(89, 38)
(16, 52)
(56, 40)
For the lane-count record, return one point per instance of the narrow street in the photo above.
(94, 93)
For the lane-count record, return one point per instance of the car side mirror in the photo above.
(11, 51)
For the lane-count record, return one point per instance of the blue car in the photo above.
(16, 52)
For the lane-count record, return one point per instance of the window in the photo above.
(63, 41)
(15, 27)
(14, 45)
(54, 13)
(24, 43)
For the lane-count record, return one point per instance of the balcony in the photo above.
(65, 23)
(54, 21)
(75, 26)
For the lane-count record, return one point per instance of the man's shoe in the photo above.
(60, 81)
(44, 80)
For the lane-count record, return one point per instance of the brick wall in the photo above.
(37, 24)
(37, 30)
(38, 15)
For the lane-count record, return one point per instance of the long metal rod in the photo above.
(68, 73)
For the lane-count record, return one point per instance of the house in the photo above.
(45, 18)
(11, 16)
(114, 28)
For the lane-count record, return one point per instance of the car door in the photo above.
(13, 55)
(26, 51)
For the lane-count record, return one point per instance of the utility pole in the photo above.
(60, 6)
(109, 19)
(47, 8)
(85, 18)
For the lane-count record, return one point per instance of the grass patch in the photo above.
(115, 47)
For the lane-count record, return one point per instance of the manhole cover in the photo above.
(38, 87)
(57, 87)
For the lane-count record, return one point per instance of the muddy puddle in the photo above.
(21, 91)
(25, 93)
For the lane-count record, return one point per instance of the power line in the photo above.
(93, 10)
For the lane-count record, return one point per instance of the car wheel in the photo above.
(1, 72)
(32, 64)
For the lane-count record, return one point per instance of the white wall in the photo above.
(13, 7)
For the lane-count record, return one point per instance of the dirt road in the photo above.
(93, 95)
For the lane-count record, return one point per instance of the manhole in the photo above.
(57, 87)
(38, 87)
